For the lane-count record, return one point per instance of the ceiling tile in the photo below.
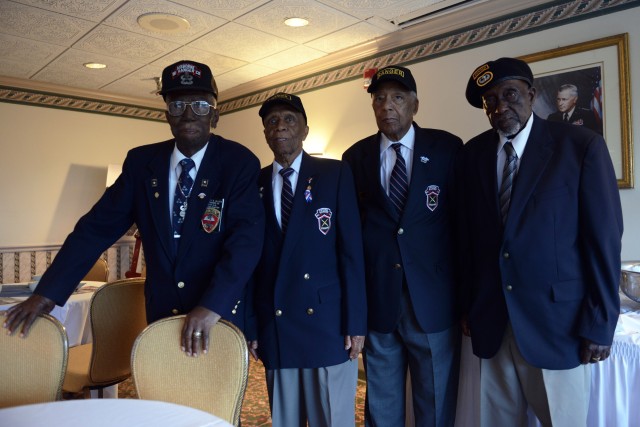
(68, 69)
(291, 57)
(124, 44)
(243, 74)
(23, 57)
(140, 83)
(322, 19)
(347, 37)
(126, 18)
(38, 24)
(240, 42)
(387, 9)
(227, 9)
(218, 63)
(92, 10)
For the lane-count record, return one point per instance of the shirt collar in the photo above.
(520, 140)
(295, 166)
(177, 156)
(408, 140)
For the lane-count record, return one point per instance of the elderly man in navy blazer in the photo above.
(403, 178)
(542, 225)
(308, 288)
(195, 202)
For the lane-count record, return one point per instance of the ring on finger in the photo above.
(197, 334)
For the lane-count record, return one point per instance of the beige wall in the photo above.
(341, 114)
(53, 163)
(53, 167)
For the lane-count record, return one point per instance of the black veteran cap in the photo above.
(493, 72)
(393, 73)
(282, 98)
(188, 75)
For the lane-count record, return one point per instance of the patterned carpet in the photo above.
(255, 410)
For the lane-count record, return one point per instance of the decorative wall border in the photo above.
(19, 264)
(546, 16)
(44, 99)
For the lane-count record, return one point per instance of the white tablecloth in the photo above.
(74, 315)
(615, 383)
(107, 413)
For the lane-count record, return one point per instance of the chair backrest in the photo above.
(118, 315)
(99, 272)
(32, 369)
(214, 382)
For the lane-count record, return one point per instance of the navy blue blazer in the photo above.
(418, 246)
(308, 288)
(209, 269)
(553, 270)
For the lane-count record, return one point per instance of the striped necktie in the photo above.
(508, 176)
(398, 182)
(286, 199)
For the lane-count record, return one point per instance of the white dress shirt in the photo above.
(277, 181)
(175, 170)
(388, 156)
(519, 142)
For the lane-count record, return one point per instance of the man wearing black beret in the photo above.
(541, 224)
(195, 202)
(403, 176)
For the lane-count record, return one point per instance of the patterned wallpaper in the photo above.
(20, 265)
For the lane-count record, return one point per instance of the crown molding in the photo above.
(35, 93)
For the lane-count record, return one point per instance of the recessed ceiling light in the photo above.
(95, 65)
(163, 23)
(296, 22)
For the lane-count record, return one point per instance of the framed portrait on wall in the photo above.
(587, 84)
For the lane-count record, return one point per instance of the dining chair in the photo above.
(99, 272)
(214, 382)
(32, 368)
(117, 315)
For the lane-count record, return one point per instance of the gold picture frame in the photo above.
(607, 61)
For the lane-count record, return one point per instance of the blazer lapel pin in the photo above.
(308, 197)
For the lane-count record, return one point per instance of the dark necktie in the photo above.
(566, 117)
(398, 182)
(286, 199)
(183, 191)
(508, 175)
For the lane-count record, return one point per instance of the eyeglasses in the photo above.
(200, 108)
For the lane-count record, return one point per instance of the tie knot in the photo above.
(397, 146)
(285, 173)
(508, 148)
(187, 164)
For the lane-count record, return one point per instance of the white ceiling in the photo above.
(44, 43)
(242, 40)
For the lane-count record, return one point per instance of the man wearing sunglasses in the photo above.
(195, 201)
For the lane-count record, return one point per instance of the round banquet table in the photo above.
(108, 413)
(74, 315)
